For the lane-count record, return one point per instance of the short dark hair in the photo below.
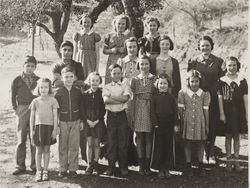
(131, 39)
(153, 19)
(67, 69)
(87, 81)
(162, 76)
(196, 74)
(67, 43)
(165, 37)
(232, 58)
(113, 66)
(143, 56)
(209, 39)
(30, 59)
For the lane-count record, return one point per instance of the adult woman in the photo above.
(210, 66)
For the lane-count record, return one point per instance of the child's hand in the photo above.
(176, 128)
(81, 126)
(54, 133)
(114, 50)
(91, 124)
(223, 118)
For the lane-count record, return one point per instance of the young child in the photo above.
(164, 63)
(93, 111)
(114, 43)
(69, 100)
(149, 44)
(115, 96)
(43, 125)
(142, 87)
(164, 118)
(21, 97)
(66, 50)
(233, 105)
(193, 106)
(86, 46)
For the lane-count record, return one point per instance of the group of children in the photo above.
(141, 93)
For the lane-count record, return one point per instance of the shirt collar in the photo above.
(28, 75)
(116, 83)
(201, 58)
(229, 81)
(148, 36)
(87, 33)
(191, 93)
(164, 59)
(127, 59)
(141, 76)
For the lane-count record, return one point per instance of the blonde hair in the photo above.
(39, 82)
(87, 81)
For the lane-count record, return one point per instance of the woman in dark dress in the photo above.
(210, 66)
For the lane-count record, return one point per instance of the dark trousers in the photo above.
(117, 135)
(83, 142)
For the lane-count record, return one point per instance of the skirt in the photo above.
(43, 135)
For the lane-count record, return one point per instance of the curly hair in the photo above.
(120, 17)
(153, 19)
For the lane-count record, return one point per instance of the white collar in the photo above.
(88, 33)
(116, 83)
(149, 76)
(191, 93)
(126, 59)
(229, 80)
(159, 57)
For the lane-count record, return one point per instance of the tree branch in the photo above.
(45, 28)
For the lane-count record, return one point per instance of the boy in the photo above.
(68, 98)
(115, 96)
(66, 50)
(21, 97)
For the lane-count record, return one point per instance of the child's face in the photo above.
(164, 45)
(86, 23)
(116, 74)
(144, 65)
(66, 52)
(231, 67)
(153, 27)
(205, 47)
(44, 88)
(162, 85)
(194, 83)
(94, 82)
(120, 25)
(29, 68)
(68, 78)
(132, 48)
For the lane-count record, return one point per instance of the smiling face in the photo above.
(152, 27)
(231, 67)
(144, 65)
(194, 83)
(67, 52)
(68, 78)
(120, 25)
(116, 74)
(86, 23)
(163, 85)
(29, 68)
(164, 45)
(132, 48)
(94, 82)
(205, 47)
(44, 88)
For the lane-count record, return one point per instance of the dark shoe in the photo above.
(73, 174)
(109, 172)
(141, 171)
(33, 170)
(96, 169)
(188, 171)
(161, 174)
(201, 170)
(18, 171)
(229, 164)
(62, 174)
(141, 166)
(167, 173)
(124, 172)
(237, 166)
(89, 170)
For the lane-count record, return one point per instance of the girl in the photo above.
(164, 117)
(233, 94)
(164, 63)
(114, 43)
(142, 88)
(93, 111)
(43, 125)
(193, 106)
(149, 44)
(86, 51)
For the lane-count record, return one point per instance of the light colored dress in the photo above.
(142, 88)
(113, 40)
(86, 52)
(193, 119)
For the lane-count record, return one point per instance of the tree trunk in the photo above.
(220, 19)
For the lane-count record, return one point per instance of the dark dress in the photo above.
(164, 115)
(232, 92)
(93, 109)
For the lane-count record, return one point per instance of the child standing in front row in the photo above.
(233, 105)
(43, 125)
(93, 111)
(164, 118)
(193, 106)
(142, 87)
(69, 100)
(116, 95)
